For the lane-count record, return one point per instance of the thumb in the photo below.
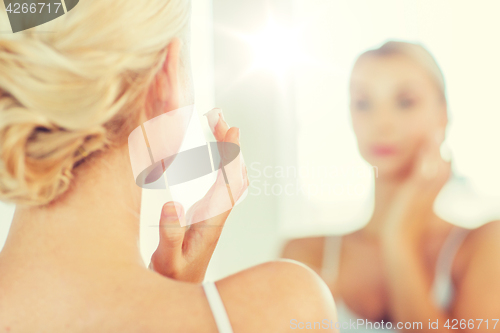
(168, 255)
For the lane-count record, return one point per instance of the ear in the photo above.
(442, 120)
(443, 115)
(164, 92)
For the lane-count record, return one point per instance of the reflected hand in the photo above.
(413, 203)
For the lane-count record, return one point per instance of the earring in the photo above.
(445, 151)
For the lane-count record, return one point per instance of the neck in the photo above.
(96, 221)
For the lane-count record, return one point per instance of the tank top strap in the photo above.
(217, 307)
(331, 258)
(442, 289)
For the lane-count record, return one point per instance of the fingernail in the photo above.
(213, 117)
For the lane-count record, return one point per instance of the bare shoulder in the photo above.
(479, 243)
(478, 272)
(489, 230)
(307, 250)
(113, 299)
(483, 238)
(270, 296)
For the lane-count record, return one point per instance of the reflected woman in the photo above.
(406, 264)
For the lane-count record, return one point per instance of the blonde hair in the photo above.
(76, 84)
(418, 54)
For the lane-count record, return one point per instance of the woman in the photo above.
(402, 266)
(71, 262)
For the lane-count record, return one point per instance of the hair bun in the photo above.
(36, 160)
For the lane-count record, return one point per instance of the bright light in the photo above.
(275, 48)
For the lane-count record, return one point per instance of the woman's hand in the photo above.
(185, 249)
(413, 203)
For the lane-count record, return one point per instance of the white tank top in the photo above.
(217, 307)
(442, 289)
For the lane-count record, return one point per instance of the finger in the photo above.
(217, 123)
(218, 199)
(232, 136)
(245, 174)
(428, 160)
(169, 253)
(235, 170)
(223, 133)
(215, 207)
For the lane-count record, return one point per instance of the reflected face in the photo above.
(395, 105)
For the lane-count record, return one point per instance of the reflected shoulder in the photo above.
(307, 250)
